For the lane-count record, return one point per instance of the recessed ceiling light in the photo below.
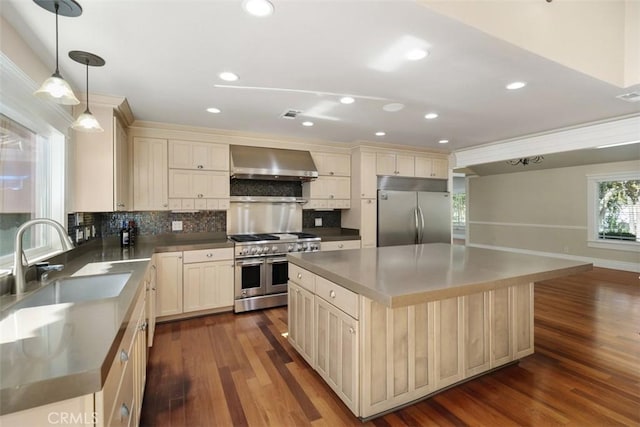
(430, 116)
(380, 133)
(259, 8)
(307, 124)
(347, 100)
(393, 107)
(516, 85)
(443, 141)
(416, 54)
(228, 76)
(213, 110)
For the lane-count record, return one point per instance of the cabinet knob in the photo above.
(332, 293)
(299, 275)
(165, 205)
(200, 196)
(124, 356)
(209, 255)
(120, 205)
(297, 291)
(331, 173)
(341, 245)
(331, 196)
(124, 411)
(352, 331)
(200, 167)
(369, 201)
(143, 327)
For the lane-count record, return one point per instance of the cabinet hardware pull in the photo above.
(299, 275)
(341, 245)
(331, 196)
(297, 291)
(209, 255)
(332, 293)
(123, 356)
(352, 331)
(164, 205)
(200, 167)
(121, 205)
(143, 327)
(124, 411)
(199, 196)
(330, 173)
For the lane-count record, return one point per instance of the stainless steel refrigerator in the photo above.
(413, 217)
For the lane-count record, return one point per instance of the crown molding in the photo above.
(618, 130)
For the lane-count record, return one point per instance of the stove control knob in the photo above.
(290, 248)
(265, 249)
(274, 249)
(244, 251)
(254, 250)
(299, 247)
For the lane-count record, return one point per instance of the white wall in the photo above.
(541, 211)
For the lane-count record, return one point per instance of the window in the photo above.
(31, 183)
(459, 209)
(614, 210)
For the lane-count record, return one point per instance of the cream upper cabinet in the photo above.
(101, 166)
(328, 192)
(198, 155)
(394, 164)
(198, 184)
(332, 164)
(428, 167)
(150, 174)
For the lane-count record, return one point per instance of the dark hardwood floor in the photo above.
(239, 370)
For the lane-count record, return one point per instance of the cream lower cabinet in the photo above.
(151, 286)
(194, 281)
(301, 317)
(120, 400)
(337, 355)
(207, 279)
(169, 283)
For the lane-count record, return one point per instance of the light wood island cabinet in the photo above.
(380, 342)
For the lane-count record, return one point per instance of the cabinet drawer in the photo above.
(302, 277)
(121, 361)
(123, 410)
(340, 245)
(205, 255)
(338, 296)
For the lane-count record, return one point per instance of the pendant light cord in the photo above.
(87, 63)
(57, 6)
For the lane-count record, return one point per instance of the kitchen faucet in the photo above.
(19, 269)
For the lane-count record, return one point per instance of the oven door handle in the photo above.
(276, 260)
(248, 263)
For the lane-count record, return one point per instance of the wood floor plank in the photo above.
(229, 369)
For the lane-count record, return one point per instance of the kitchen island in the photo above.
(387, 326)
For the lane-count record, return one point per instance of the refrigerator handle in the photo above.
(421, 228)
(417, 234)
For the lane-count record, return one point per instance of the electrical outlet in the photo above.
(176, 225)
(318, 222)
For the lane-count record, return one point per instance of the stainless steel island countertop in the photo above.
(55, 352)
(398, 276)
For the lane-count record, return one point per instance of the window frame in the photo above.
(593, 201)
(51, 122)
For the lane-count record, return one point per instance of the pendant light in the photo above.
(86, 122)
(55, 88)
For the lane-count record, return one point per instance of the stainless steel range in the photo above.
(264, 230)
(261, 270)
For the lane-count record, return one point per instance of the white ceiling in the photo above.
(164, 57)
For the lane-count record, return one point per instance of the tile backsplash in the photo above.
(330, 219)
(108, 224)
(251, 187)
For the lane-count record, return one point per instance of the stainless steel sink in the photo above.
(76, 289)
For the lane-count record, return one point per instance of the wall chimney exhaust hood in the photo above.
(271, 163)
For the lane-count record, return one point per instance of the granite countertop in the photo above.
(55, 352)
(398, 276)
(334, 234)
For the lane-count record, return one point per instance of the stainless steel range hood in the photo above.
(271, 163)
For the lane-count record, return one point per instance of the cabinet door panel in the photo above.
(501, 330)
(385, 164)
(449, 344)
(180, 154)
(476, 333)
(150, 174)
(368, 232)
(405, 165)
(169, 281)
